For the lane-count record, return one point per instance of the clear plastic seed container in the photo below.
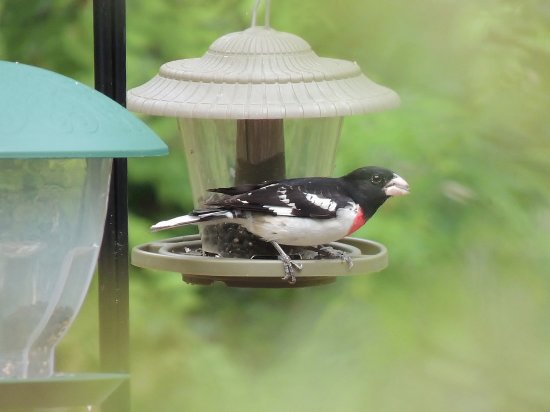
(52, 214)
(222, 153)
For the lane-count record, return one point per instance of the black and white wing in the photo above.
(314, 197)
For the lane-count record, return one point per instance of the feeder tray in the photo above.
(57, 391)
(179, 255)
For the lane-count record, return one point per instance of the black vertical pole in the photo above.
(110, 79)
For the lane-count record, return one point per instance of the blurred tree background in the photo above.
(460, 319)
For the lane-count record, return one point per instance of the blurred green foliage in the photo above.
(460, 319)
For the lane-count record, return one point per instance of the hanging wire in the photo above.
(266, 13)
(254, 10)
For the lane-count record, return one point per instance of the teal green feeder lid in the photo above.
(44, 114)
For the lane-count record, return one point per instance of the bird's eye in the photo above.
(376, 179)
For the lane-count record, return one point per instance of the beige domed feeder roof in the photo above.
(260, 73)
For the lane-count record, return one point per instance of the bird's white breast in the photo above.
(302, 231)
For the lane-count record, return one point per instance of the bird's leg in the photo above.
(333, 253)
(288, 264)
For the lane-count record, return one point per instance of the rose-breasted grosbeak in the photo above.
(307, 211)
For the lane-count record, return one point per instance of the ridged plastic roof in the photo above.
(46, 115)
(260, 73)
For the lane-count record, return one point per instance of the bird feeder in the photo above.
(258, 105)
(58, 139)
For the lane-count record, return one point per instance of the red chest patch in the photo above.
(359, 221)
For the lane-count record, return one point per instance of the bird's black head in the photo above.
(371, 186)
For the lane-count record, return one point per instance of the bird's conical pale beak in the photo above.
(397, 186)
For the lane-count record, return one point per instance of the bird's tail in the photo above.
(194, 218)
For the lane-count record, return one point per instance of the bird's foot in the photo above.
(289, 266)
(333, 253)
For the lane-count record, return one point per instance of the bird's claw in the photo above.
(288, 264)
(346, 258)
(289, 267)
(336, 254)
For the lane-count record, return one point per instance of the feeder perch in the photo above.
(58, 141)
(258, 105)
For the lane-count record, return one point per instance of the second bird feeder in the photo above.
(259, 105)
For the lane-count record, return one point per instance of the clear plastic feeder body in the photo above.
(52, 214)
(222, 153)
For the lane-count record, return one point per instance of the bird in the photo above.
(305, 211)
